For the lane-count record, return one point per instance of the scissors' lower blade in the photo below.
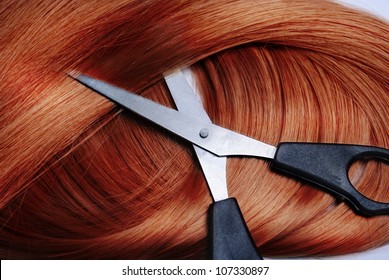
(214, 167)
(185, 97)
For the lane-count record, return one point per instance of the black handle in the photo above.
(229, 236)
(327, 165)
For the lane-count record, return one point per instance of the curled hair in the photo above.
(81, 178)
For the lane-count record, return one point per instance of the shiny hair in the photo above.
(81, 178)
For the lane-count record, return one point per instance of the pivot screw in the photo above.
(204, 133)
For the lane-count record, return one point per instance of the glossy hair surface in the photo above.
(80, 178)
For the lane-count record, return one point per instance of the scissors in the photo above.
(322, 164)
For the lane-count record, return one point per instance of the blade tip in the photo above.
(78, 76)
(73, 74)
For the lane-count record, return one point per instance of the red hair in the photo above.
(81, 178)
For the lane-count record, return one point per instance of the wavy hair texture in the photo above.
(80, 178)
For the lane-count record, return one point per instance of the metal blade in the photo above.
(185, 98)
(217, 140)
(214, 167)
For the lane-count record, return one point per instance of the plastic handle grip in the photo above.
(229, 236)
(327, 165)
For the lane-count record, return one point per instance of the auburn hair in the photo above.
(81, 178)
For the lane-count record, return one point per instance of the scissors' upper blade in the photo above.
(218, 140)
(214, 167)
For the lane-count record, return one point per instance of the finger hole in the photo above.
(370, 176)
